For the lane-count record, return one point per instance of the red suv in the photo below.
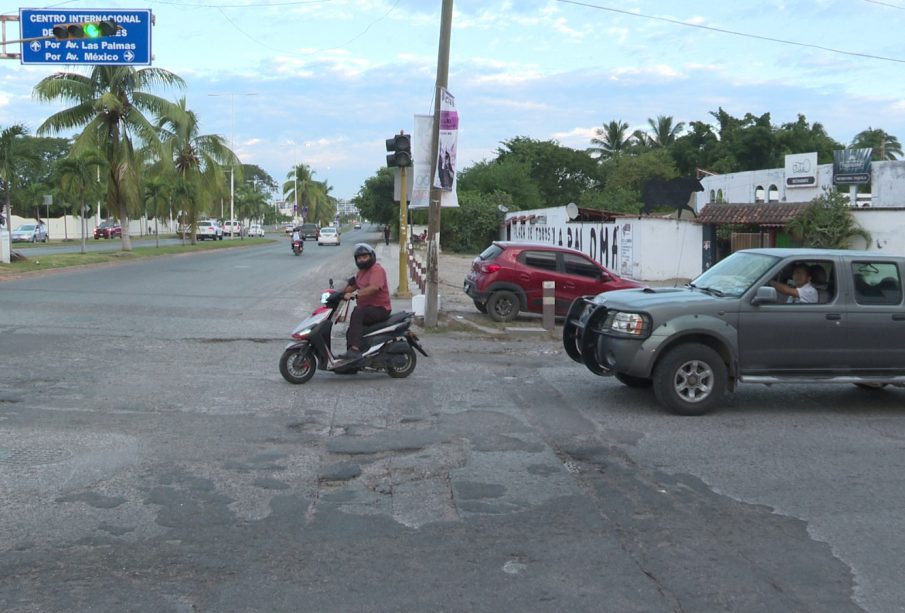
(508, 277)
(108, 229)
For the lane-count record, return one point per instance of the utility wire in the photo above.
(735, 33)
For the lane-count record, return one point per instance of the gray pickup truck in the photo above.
(731, 325)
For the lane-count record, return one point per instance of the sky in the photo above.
(326, 82)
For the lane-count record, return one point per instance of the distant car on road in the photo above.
(508, 277)
(328, 236)
(357, 225)
(256, 231)
(30, 233)
(309, 230)
(209, 229)
(232, 228)
(108, 229)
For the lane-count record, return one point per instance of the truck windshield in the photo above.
(734, 275)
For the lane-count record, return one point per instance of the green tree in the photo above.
(374, 199)
(510, 176)
(885, 146)
(610, 140)
(828, 223)
(302, 189)
(77, 175)
(155, 194)
(625, 176)
(561, 174)
(197, 159)
(109, 105)
(663, 132)
(801, 137)
(697, 148)
(13, 159)
(475, 224)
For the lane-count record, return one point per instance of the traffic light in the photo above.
(400, 147)
(86, 29)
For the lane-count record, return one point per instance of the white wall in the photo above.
(887, 229)
(649, 249)
(887, 185)
(69, 227)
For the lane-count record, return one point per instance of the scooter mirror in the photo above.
(325, 296)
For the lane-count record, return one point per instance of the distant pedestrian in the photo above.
(386, 234)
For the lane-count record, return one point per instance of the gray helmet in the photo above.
(365, 249)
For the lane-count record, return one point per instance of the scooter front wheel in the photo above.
(298, 365)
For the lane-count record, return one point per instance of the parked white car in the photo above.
(30, 233)
(209, 229)
(254, 230)
(232, 228)
(328, 236)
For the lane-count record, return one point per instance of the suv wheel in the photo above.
(690, 379)
(502, 306)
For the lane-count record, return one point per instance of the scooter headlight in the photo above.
(301, 335)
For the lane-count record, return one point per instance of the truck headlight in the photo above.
(629, 324)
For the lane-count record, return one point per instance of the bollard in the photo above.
(549, 304)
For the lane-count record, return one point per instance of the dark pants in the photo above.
(361, 317)
(386, 238)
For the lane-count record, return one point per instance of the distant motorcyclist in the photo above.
(369, 286)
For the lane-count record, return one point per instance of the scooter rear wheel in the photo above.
(405, 368)
(298, 366)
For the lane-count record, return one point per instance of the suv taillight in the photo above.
(490, 268)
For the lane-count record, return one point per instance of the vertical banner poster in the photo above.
(445, 178)
(421, 162)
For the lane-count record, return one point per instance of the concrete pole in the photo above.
(431, 306)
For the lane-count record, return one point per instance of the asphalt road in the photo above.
(153, 459)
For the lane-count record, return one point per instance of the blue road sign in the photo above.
(131, 45)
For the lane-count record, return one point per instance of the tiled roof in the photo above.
(763, 214)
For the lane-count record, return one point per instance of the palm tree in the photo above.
(78, 175)
(662, 131)
(109, 103)
(12, 158)
(885, 146)
(156, 197)
(301, 179)
(610, 140)
(194, 158)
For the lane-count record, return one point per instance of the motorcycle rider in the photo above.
(369, 286)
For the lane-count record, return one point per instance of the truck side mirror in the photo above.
(765, 295)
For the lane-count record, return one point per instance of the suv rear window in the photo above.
(491, 253)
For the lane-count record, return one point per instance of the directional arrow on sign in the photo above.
(35, 46)
(129, 56)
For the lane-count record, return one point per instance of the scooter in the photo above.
(388, 346)
(298, 246)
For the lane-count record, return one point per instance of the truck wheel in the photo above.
(502, 306)
(690, 379)
(630, 381)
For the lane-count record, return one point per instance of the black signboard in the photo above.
(851, 166)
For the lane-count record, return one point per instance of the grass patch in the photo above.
(33, 263)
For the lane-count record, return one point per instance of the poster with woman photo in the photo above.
(445, 178)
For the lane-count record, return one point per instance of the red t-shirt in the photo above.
(375, 275)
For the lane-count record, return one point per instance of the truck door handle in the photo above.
(898, 316)
(834, 316)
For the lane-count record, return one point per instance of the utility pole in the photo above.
(433, 215)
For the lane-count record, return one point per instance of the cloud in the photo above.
(660, 71)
